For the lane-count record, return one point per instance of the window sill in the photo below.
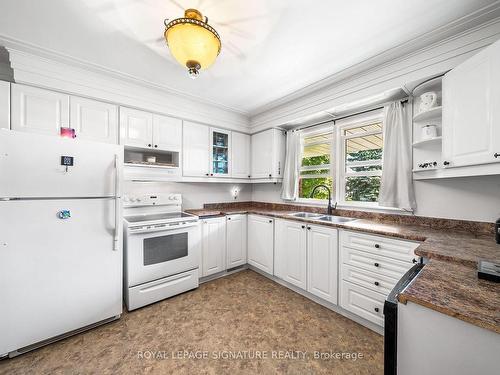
(353, 207)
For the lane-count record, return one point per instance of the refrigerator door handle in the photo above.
(118, 192)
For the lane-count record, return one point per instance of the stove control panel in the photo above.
(152, 200)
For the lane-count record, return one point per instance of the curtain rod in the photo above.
(403, 101)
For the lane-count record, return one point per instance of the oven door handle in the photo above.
(132, 230)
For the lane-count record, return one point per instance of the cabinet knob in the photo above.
(206, 174)
(249, 176)
(270, 221)
(414, 260)
(303, 226)
(308, 228)
(376, 283)
(270, 175)
(229, 218)
(446, 162)
(377, 246)
(376, 309)
(156, 146)
(496, 155)
(211, 174)
(149, 145)
(376, 264)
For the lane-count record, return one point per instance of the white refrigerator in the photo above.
(60, 237)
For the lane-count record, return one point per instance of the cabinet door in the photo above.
(290, 252)
(136, 128)
(240, 155)
(236, 244)
(220, 153)
(262, 155)
(4, 105)
(322, 260)
(471, 114)
(195, 149)
(39, 111)
(261, 242)
(213, 246)
(167, 133)
(94, 120)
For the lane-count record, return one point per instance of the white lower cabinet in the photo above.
(261, 242)
(306, 256)
(236, 240)
(213, 256)
(370, 268)
(322, 261)
(291, 252)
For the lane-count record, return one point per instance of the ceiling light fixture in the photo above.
(192, 41)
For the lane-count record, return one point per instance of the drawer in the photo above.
(142, 295)
(370, 280)
(378, 245)
(362, 302)
(375, 263)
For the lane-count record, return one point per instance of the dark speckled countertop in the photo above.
(448, 283)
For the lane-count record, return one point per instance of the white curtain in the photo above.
(396, 188)
(290, 186)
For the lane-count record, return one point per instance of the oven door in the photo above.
(154, 255)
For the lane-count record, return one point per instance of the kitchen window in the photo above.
(317, 162)
(360, 160)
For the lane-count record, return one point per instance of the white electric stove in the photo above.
(162, 247)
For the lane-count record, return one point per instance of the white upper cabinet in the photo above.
(236, 240)
(240, 155)
(220, 153)
(136, 128)
(291, 252)
(167, 133)
(471, 110)
(322, 260)
(268, 154)
(213, 246)
(195, 143)
(261, 242)
(94, 120)
(38, 111)
(4, 105)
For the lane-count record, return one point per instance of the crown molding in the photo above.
(406, 53)
(33, 65)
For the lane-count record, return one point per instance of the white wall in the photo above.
(194, 194)
(468, 198)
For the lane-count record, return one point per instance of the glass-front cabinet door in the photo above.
(220, 164)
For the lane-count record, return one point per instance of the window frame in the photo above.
(326, 128)
(355, 121)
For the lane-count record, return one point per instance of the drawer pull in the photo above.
(377, 246)
(376, 283)
(376, 264)
(376, 309)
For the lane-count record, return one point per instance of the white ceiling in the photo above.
(270, 48)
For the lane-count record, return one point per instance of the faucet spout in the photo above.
(329, 209)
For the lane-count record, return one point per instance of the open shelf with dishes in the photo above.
(427, 127)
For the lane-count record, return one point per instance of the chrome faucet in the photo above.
(329, 209)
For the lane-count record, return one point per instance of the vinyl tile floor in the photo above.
(243, 323)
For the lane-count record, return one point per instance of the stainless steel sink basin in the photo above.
(336, 219)
(306, 215)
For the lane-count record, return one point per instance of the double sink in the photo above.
(324, 218)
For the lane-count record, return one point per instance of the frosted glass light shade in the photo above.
(192, 42)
